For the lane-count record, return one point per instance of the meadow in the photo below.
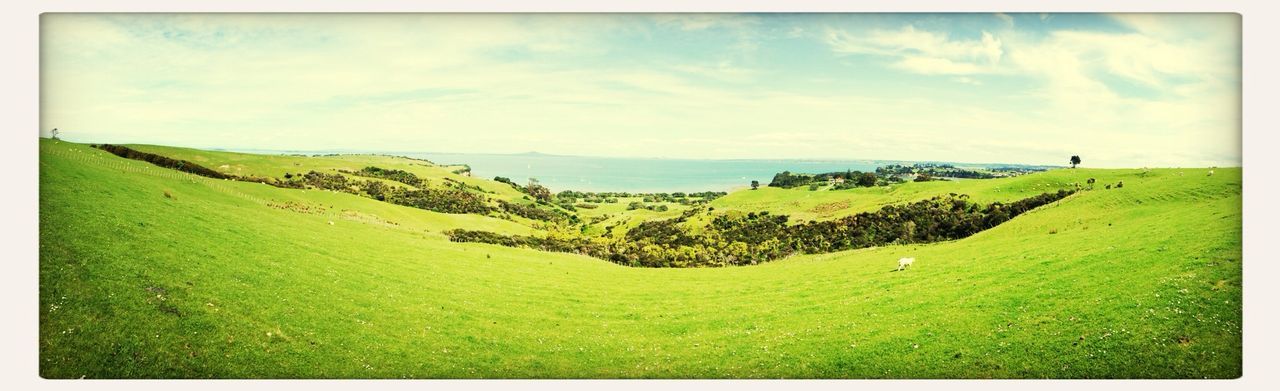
(150, 273)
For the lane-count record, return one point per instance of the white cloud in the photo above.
(922, 51)
(698, 22)
(1008, 20)
(502, 83)
(936, 66)
(1171, 82)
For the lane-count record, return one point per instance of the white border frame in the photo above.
(19, 29)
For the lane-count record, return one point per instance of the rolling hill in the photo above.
(146, 272)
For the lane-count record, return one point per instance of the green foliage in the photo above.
(788, 180)
(180, 165)
(838, 180)
(1139, 283)
(947, 170)
(538, 191)
(756, 238)
(441, 200)
(401, 176)
(532, 211)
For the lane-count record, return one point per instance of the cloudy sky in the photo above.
(1119, 90)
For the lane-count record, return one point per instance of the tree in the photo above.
(55, 133)
(539, 192)
(867, 179)
(1075, 159)
(755, 184)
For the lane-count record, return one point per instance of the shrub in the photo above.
(532, 212)
(441, 200)
(762, 237)
(401, 176)
(180, 165)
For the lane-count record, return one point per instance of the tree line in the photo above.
(761, 237)
(457, 198)
(843, 179)
(163, 161)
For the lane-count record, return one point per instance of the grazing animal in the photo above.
(1210, 172)
(904, 262)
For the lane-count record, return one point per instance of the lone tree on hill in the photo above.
(755, 184)
(1075, 159)
(55, 133)
(539, 192)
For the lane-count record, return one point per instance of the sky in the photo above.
(1120, 90)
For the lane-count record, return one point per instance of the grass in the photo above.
(277, 165)
(1138, 282)
(804, 205)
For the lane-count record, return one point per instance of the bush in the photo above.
(180, 165)
(401, 176)
(441, 200)
(533, 212)
(763, 237)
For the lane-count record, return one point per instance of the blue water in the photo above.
(648, 175)
(637, 175)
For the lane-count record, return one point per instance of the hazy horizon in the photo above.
(1123, 90)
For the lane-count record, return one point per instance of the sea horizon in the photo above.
(636, 174)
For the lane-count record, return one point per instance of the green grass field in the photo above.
(218, 280)
(278, 165)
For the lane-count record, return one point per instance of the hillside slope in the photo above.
(217, 279)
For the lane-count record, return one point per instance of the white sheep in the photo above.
(904, 262)
(1210, 172)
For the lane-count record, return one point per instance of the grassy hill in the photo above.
(277, 165)
(230, 279)
(803, 204)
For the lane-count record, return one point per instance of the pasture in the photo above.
(223, 279)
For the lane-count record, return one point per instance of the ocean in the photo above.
(638, 174)
(644, 175)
